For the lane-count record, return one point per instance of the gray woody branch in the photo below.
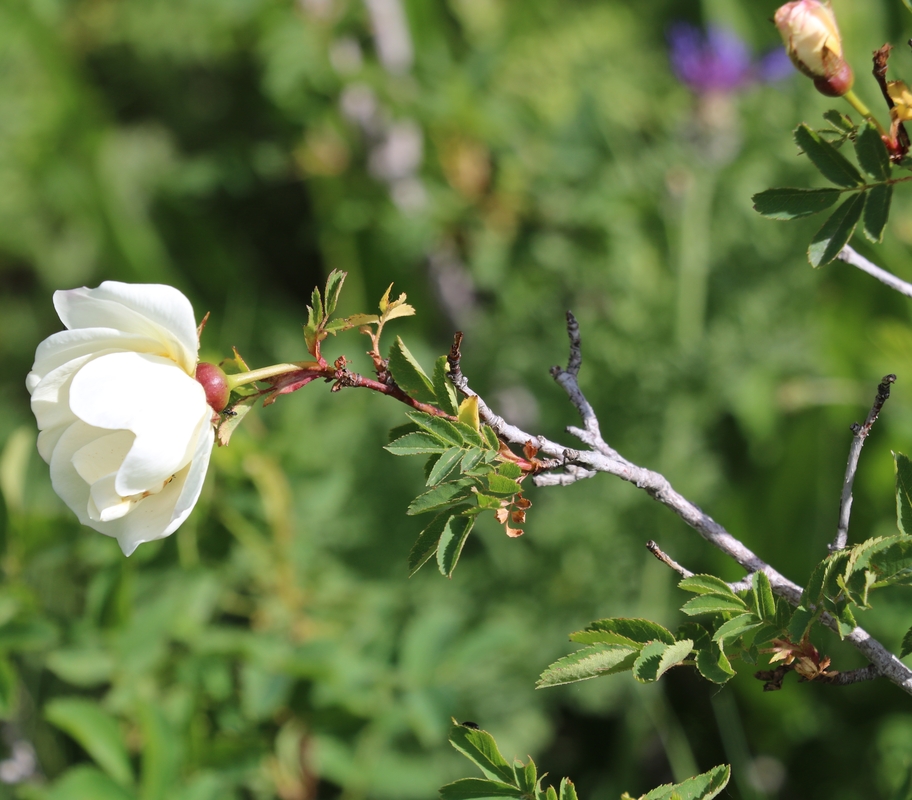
(601, 457)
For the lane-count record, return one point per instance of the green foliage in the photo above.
(467, 473)
(520, 780)
(871, 193)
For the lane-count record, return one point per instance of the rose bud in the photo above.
(808, 28)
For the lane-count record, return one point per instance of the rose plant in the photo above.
(125, 426)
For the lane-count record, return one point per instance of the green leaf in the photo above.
(764, 602)
(876, 211)
(835, 233)
(408, 373)
(480, 748)
(86, 783)
(471, 458)
(787, 203)
(903, 467)
(426, 545)
(161, 754)
(442, 428)
(454, 536)
(839, 120)
(551, 794)
(834, 166)
(416, 443)
(872, 153)
(706, 584)
(656, 658)
(478, 789)
(713, 604)
(510, 469)
(906, 644)
(525, 776)
(641, 631)
(567, 790)
(470, 435)
(443, 387)
(498, 484)
(444, 466)
(440, 496)
(491, 440)
(590, 662)
(96, 731)
(735, 627)
(333, 288)
(9, 685)
(701, 787)
(713, 664)
(800, 623)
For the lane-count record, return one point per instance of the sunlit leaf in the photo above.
(408, 373)
(656, 658)
(590, 662)
(706, 584)
(452, 540)
(633, 633)
(700, 787)
(443, 387)
(444, 465)
(416, 443)
(713, 604)
(333, 287)
(481, 749)
(764, 602)
(443, 495)
(735, 627)
(443, 429)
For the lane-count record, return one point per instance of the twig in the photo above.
(568, 379)
(860, 434)
(603, 458)
(667, 560)
(850, 256)
(652, 547)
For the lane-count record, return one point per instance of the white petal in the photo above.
(105, 504)
(176, 501)
(150, 518)
(151, 397)
(102, 456)
(72, 489)
(59, 348)
(149, 310)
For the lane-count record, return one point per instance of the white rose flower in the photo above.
(125, 426)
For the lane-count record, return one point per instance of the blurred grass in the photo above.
(240, 150)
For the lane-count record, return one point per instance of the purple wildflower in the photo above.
(719, 61)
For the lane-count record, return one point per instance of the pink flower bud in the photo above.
(215, 383)
(808, 28)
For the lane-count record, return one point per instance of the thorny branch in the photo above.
(601, 457)
(860, 434)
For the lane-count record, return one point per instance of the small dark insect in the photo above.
(229, 413)
(473, 725)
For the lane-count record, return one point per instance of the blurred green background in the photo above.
(500, 162)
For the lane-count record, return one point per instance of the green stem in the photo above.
(853, 100)
(243, 378)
